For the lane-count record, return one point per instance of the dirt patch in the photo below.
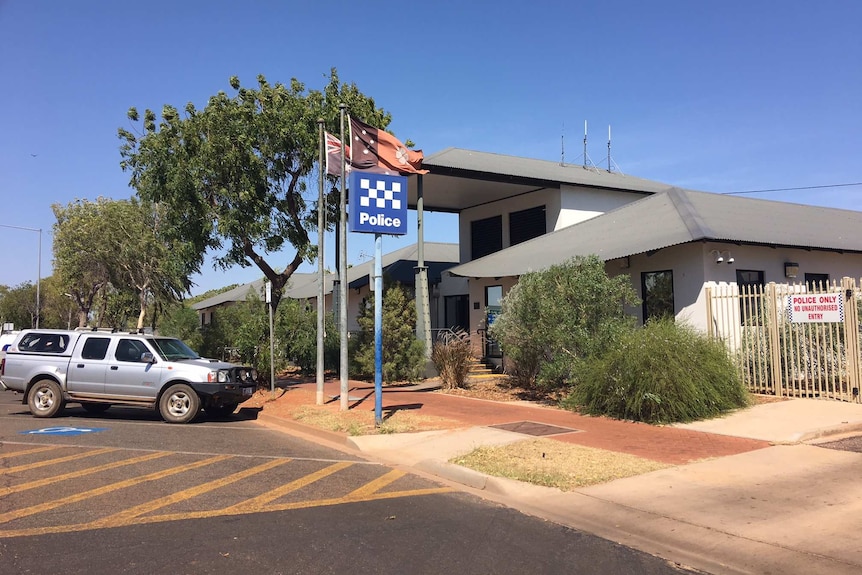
(299, 405)
(501, 388)
(758, 399)
(556, 464)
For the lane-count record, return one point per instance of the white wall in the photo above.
(694, 266)
(578, 204)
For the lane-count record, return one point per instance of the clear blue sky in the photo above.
(715, 96)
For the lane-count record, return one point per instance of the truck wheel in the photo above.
(45, 398)
(179, 404)
(221, 410)
(95, 408)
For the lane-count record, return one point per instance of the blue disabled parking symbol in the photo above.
(63, 430)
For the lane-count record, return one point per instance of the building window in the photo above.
(457, 312)
(657, 290)
(527, 224)
(817, 281)
(486, 236)
(750, 285)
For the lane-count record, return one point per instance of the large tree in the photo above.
(18, 305)
(81, 252)
(111, 247)
(234, 175)
(140, 259)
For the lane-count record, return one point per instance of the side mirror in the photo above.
(148, 357)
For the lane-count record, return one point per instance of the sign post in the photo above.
(378, 205)
(271, 343)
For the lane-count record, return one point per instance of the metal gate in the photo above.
(795, 340)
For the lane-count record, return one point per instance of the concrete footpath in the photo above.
(755, 494)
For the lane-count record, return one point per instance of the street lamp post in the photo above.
(38, 269)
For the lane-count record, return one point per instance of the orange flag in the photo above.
(373, 148)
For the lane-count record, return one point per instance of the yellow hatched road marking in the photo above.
(80, 473)
(290, 506)
(373, 487)
(29, 451)
(258, 503)
(123, 517)
(225, 512)
(64, 459)
(48, 505)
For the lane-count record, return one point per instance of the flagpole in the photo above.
(321, 228)
(342, 272)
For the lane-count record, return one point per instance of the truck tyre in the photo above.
(95, 408)
(221, 410)
(179, 404)
(45, 398)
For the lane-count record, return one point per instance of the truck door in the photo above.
(128, 375)
(87, 368)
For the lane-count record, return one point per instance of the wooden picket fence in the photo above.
(793, 340)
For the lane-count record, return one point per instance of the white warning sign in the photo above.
(809, 308)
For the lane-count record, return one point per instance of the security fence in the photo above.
(795, 340)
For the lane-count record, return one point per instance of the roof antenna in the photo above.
(588, 164)
(586, 158)
(609, 147)
(563, 146)
(610, 159)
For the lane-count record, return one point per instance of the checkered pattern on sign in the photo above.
(379, 194)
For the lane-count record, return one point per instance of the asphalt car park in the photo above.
(126, 492)
(79, 472)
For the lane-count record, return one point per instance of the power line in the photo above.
(795, 189)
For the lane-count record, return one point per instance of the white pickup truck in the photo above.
(98, 369)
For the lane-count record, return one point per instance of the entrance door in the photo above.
(493, 307)
(457, 312)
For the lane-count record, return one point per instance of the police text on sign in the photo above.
(806, 308)
(378, 203)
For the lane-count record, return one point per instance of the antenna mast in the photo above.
(563, 146)
(586, 161)
(609, 147)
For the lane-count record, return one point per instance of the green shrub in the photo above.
(403, 354)
(556, 318)
(665, 372)
(451, 356)
(296, 326)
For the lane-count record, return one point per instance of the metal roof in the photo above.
(459, 179)
(241, 292)
(675, 217)
(435, 254)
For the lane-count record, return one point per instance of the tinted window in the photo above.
(95, 348)
(486, 236)
(526, 225)
(44, 342)
(130, 350)
(817, 281)
(750, 284)
(657, 290)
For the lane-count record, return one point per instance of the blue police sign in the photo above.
(378, 203)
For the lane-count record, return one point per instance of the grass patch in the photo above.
(354, 422)
(557, 464)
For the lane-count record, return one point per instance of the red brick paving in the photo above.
(660, 443)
